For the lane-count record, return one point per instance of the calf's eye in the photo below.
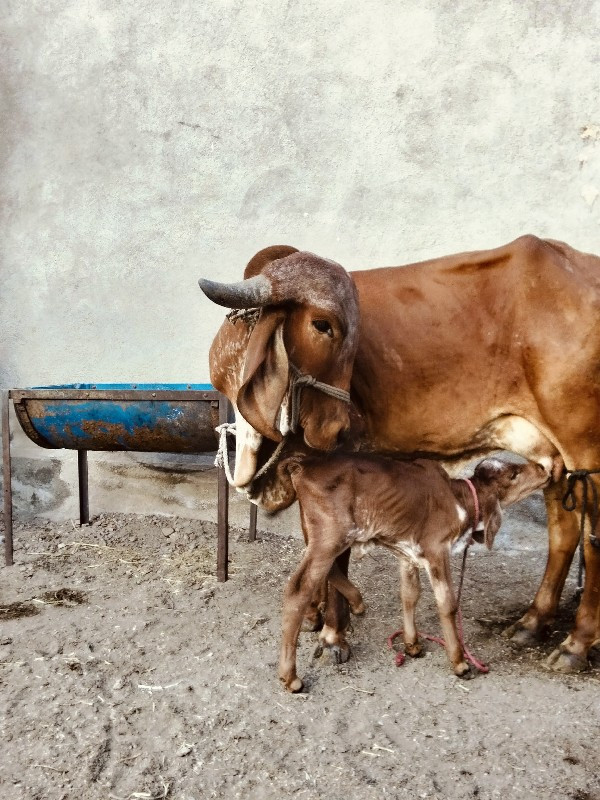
(323, 326)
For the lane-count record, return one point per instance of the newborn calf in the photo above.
(413, 508)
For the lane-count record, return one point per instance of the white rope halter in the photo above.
(297, 382)
(222, 458)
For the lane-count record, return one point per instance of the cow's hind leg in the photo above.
(572, 654)
(563, 533)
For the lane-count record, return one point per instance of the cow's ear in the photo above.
(492, 519)
(265, 257)
(266, 375)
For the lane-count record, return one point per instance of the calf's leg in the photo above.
(339, 581)
(313, 570)
(410, 591)
(313, 617)
(337, 619)
(441, 582)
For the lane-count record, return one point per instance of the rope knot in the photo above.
(222, 457)
(569, 503)
(299, 381)
(306, 380)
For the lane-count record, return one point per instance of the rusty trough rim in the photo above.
(21, 395)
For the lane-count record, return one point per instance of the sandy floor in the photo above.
(138, 676)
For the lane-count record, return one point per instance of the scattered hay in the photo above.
(16, 610)
(60, 597)
(65, 597)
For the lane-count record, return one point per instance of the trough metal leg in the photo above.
(7, 480)
(222, 506)
(252, 529)
(84, 499)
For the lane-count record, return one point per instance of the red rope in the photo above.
(400, 657)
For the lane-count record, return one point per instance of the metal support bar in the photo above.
(222, 505)
(7, 480)
(252, 529)
(84, 500)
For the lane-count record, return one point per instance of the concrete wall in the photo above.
(147, 143)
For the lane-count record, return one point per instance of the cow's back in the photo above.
(449, 345)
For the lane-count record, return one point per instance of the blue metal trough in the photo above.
(156, 418)
(142, 417)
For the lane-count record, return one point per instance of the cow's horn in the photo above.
(251, 293)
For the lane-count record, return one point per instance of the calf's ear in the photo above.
(492, 519)
(266, 375)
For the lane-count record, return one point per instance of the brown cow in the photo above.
(457, 357)
(412, 508)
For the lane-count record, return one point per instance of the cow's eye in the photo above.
(323, 326)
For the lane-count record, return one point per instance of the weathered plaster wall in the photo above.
(147, 143)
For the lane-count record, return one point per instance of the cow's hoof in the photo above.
(525, 637)
(414, 650)
(565, 662)
(335, 653)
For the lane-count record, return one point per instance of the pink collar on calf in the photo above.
(475, 501)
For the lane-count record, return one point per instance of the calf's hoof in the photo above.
(312, 623)
(414, 650)
(336, 653)
(568, 663)
(521, 635)
(293, 685)
(332, 646)
(464, 671)
(359, 609)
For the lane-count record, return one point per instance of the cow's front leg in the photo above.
(332, 638)
(563, 533)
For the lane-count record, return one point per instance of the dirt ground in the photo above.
(136, 675)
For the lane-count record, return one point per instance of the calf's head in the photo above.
(500, 484)
(308, 318)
